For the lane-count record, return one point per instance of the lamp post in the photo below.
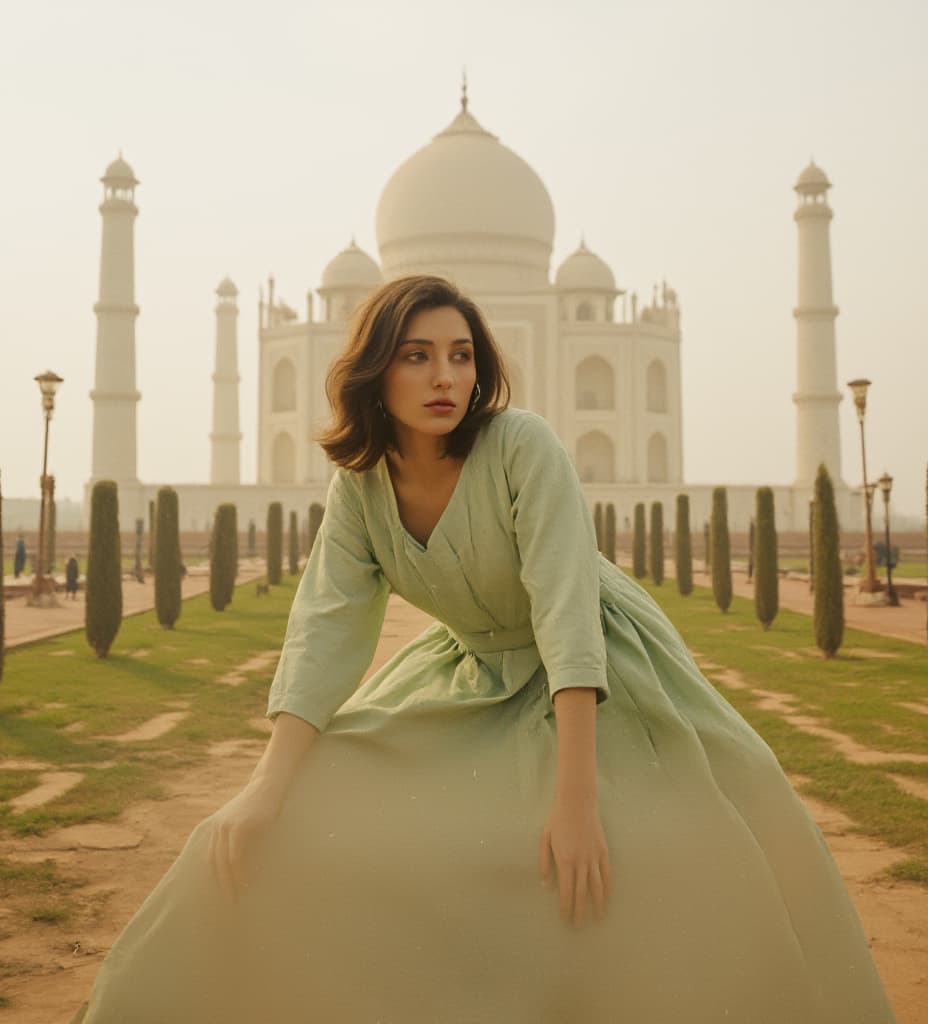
(870, 585)
(43, 587)
(886, 485)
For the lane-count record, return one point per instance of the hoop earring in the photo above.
(476, 398)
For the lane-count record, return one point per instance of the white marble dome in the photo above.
(351, 268)
(467, 206)
(583, 270)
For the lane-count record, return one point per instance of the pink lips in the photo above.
(440, 405)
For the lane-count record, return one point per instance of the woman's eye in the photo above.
(465, 354)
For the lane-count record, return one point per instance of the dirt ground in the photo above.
(50, 967)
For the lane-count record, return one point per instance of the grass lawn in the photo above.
(902, 571)
(50, 686)
(860, 693)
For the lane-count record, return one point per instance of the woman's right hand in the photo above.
(236, 828)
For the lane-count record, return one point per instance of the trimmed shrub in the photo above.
(826, 555)
(252, 538)
(598, 525)
(275, 541)
(315, 521)
(683, 548)
(706, 548)
(609, 533)
(720, 549)
(103, 598)
(638, 543)
(766, 579)
(656, 551)
(151, 535)
(293, 546)
(223, 557)
(167, 558)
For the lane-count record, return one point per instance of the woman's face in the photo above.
(434, 362)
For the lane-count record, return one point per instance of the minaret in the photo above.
(817, 432)
(114, 395)
(225, 437)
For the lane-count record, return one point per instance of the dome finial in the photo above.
(463, 90)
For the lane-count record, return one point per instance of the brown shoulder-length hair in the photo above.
(360, 433)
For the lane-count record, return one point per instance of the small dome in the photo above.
(119, 171)
(227, 288)
(351, 268)
(813, 179)
(583, 270)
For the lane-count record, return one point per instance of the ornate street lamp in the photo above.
(869, 585)
(886, 485)
(43, 587)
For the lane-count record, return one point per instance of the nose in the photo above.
(442, 375)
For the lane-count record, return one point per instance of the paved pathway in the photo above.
(25, 624)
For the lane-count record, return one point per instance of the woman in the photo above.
(383, 863)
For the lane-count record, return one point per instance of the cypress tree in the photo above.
(275, 541)
(706, 548)
(826, 555)
(683, 549)
(598, 525)
(103, 599)
(223, 557)
(167, 558)
(252, 538)
(720, 549)
(293, 545)
(151, 535)
(638, 543)
(657, 542)
(751, 535)
(609, 529)
(315, 521)
(2, 591)
(766, 579)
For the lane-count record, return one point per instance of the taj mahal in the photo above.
(601, 366)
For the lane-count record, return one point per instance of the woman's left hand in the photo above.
(573, 836)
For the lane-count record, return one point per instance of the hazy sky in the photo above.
(670, 132)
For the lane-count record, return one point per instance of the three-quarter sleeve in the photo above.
(336, 616)
(558, 554)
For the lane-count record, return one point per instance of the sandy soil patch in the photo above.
(151, 729)
(60, 654)
(910, 785)
(75, 727)
(24, 765)
(51, 786)
(261, 724)
(258, 663)
(922, 709)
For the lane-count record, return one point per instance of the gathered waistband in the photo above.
(494, 640)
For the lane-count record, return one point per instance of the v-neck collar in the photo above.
(395, 508)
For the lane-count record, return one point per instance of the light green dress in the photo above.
(400, 883)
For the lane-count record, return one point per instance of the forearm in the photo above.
(575, 714)
(289, 743)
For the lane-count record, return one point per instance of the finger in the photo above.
(580, 893)
(605, 870)
(597, 891)
(566, 878)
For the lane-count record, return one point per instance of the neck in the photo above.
(421, 453)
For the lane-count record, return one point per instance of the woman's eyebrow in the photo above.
(425, 341)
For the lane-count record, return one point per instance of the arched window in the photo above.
(283, 460)
(595, 460)
(585, 311)
(283, 387)
(656, 387)
(594, 384)
(658, 472)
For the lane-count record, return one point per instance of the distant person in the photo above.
(19, 558)
(71, 574)
(383, 861)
